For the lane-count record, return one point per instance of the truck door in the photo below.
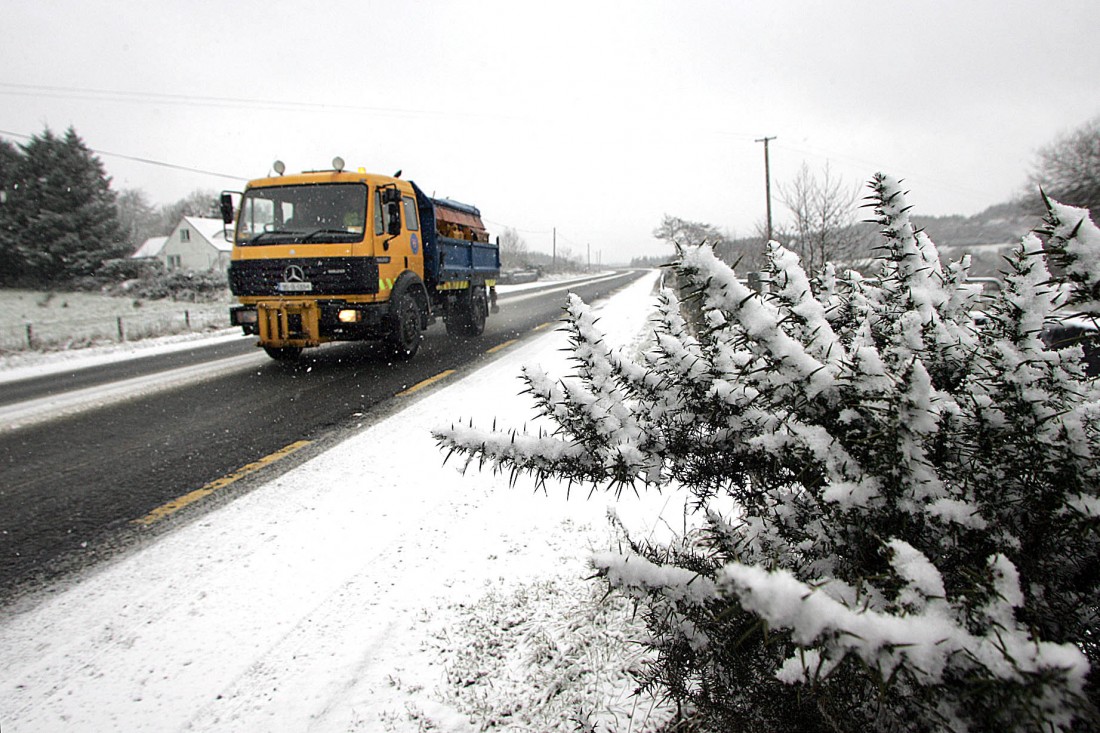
(411, 218)
(399, 242)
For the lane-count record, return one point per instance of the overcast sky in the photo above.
(594, 118)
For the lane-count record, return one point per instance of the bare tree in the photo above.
(513, 250)
(1069, 168)
(675, 230)
(824, 228)
(742, 253)
(200, 202)
(137, 218)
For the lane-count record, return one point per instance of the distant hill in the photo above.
(986, 236)
(1001, 223)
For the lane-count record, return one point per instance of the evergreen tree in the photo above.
(899, 502)
(63, 213)
(9, 178)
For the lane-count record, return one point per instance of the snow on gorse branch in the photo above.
(896, 482)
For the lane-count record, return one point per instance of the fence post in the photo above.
(121, 332)
(30, 336)
(187, 319)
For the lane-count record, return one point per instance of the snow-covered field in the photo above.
(69, 320)
(370, 588)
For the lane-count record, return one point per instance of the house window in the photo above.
(175, 262)
(185, 235)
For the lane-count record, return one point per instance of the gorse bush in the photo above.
(153, 283)
(186, 285)
(896, 484)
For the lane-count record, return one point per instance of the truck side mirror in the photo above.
(393, 213)
(227, 208)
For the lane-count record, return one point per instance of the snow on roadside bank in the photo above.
(24, 364)
(371, 588)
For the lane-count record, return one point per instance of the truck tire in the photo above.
(404, 340)
(284, 353)
(467, 317)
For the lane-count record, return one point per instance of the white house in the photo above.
(194, 244)
(150, 248)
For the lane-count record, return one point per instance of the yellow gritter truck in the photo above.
(335, 255)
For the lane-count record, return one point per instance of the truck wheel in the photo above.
(467, 317)
(452, 321)
(476, 313)
(283, 353)
(405, 338)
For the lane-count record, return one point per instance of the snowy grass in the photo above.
(46, 320)
(557, 654)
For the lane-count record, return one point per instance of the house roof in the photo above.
(212, 230)
(151, 247)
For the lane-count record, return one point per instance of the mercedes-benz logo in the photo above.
(293, 274)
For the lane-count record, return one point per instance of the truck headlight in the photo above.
(243, 316)
(349, 315)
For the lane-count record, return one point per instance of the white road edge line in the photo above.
(44, 409)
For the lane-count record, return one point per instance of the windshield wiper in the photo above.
(315, 232)
(296, 235)
(262, 235)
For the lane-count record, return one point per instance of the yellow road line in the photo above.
(430, 380)
(498, 347)
(543, 325)
(175, 505)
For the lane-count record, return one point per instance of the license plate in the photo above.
(294, 287)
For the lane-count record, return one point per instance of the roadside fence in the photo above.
(85, 331)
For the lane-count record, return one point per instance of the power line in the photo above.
(515, 229)
(875, 167)
(290, 105)
(567, 239)
(147, 161)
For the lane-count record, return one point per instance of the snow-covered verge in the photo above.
(24, 364)
(370, 588)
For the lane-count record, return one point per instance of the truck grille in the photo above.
(304, 276)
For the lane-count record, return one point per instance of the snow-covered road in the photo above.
(318, 601)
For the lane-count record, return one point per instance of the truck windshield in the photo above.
(303, 214)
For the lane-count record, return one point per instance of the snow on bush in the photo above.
(913, 539)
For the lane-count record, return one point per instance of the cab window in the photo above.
(379, 223)
(412, 222)
(382, 215)
(313, 213)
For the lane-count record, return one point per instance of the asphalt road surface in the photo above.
(146, 438)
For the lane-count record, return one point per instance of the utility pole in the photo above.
(554, 264)
(767, 182)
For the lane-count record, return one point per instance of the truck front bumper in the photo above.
(309, 323)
